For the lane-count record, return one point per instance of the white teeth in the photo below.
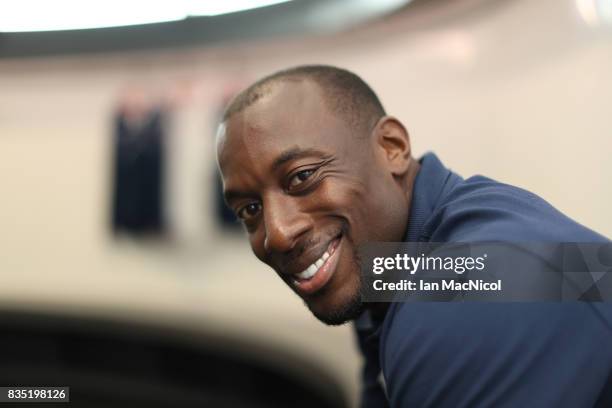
(313, 268)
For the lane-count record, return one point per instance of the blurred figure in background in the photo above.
(139, 159)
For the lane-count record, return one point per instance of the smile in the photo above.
(316, 276)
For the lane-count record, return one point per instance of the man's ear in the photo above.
(392, 141)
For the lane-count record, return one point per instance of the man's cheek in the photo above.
(338, 192)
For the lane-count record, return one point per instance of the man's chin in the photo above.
(335, 316)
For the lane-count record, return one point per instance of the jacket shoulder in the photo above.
(482, 209)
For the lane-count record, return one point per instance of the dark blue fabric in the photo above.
(490, 354)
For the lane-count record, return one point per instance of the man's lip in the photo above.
(301, 264)
(324, 273)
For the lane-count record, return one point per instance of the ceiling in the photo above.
(284, 19)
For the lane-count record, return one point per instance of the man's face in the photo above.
(309, 191)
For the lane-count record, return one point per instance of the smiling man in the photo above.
(304, 166)
(314, 167)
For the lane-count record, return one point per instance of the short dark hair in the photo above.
(345, 92)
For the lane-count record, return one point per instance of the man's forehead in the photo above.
(283, 104)
(290, 114)
(252, 138)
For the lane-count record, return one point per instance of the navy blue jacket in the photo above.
(435, 354)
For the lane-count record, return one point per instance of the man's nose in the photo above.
(284, 223)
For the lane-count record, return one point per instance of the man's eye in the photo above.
(249, 211)
(300, 177)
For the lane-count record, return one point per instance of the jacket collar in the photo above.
(432, 183)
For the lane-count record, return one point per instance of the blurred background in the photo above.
(122, 275)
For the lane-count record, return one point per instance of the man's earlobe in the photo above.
(393, 139)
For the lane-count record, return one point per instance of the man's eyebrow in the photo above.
(230, 195)
(294, 153)
(291, 154)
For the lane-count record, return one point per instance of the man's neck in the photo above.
(413, 171)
